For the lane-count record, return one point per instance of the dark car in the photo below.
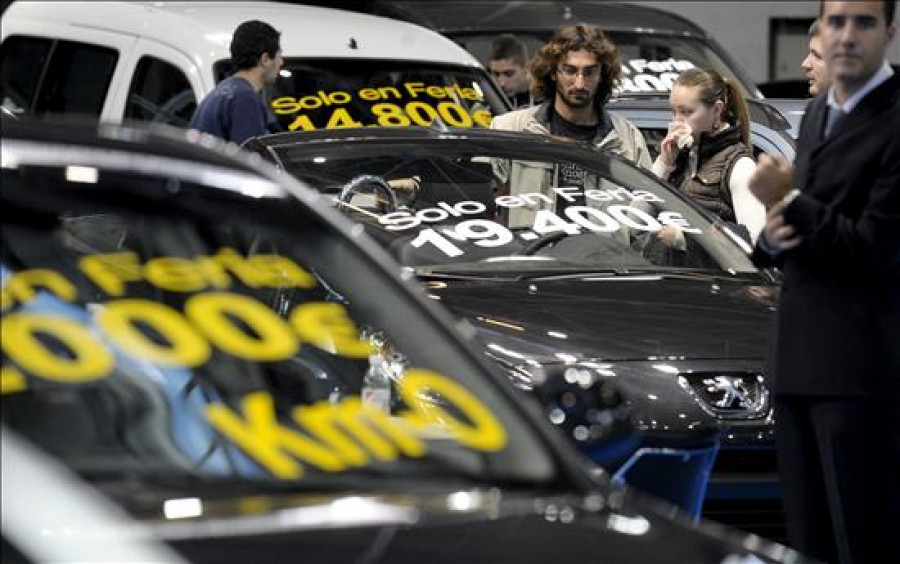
(654, 45)
(573, 301)
(248, 375)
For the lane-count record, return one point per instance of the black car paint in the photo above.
(699, 324)
(624, 317)
(684, 317)
(424, 527)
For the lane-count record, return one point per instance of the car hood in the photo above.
(468, 525)
(617, 318)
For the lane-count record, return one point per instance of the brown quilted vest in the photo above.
(709, 185)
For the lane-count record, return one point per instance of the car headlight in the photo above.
(582, 401)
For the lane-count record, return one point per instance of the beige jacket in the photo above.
(524, 177)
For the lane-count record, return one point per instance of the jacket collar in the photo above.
(876, 80)
(869, 108)
(712, 143)
(540, 123)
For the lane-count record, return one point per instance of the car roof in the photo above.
(760, 114)
(414, 133)
(763, 118)
(483, 15)
(162, 141)
(207, 27)
(423, 139)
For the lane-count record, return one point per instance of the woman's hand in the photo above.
(668, 235)
(676, 139)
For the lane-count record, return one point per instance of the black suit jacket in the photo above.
(837, 329)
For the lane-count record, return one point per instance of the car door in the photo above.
(164, 85)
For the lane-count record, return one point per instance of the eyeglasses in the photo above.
(570, 72)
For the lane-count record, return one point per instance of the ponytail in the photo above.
(736, 108)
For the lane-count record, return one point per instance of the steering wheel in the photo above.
(543, 241)
(381, 186)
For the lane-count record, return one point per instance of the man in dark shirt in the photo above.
(234, 110)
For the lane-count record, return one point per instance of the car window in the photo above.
(337, 93)
(77, 79)
(170, 336)
(500, 214)
(22, 61)
(11, 554)
(160, 93)
(650, 64)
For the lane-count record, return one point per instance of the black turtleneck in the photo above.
(565, 128)
(569, 174)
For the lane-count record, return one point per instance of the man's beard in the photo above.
(583, 99)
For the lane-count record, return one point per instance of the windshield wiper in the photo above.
(563, 273)
(654, 271)
(544, 240)
(440, 272)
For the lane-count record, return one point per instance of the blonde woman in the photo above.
(707, 154)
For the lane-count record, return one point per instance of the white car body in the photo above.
(193, 36)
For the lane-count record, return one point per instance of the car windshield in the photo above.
(650, 62)
(335, 93)
(488, 209)
(155, 327)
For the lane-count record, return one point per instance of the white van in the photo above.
(153, 61)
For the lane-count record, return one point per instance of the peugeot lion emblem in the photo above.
(738, 395)
(733, 393)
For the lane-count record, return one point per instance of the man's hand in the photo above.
(778, 234)
(772, 179)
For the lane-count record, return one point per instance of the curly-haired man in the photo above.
(574, 74)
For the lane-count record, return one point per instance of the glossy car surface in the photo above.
(792, 109)
(579, 305)
(208, 343)
(654, 45)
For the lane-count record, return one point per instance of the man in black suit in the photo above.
(833, 226)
